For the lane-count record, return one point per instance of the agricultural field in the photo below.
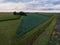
(33, 29)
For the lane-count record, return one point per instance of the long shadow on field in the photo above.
(10, 19)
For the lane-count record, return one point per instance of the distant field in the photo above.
(4, 16)
(33, 29)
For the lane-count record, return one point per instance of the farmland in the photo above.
(33, 29)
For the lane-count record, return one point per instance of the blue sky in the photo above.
(25, 5)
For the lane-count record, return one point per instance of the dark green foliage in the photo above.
(14, 13)
(22, 13)
(19, 13)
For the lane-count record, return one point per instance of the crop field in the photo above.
(33, 29)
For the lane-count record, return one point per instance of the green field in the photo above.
(33, 29)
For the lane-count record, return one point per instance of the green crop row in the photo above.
(28, 35)
(45, 37)
(30, 22)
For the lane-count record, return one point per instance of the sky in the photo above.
(29, 5)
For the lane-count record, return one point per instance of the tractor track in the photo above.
(35, 36)
(54, 36)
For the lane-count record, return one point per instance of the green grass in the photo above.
(8, 28)
(30, 22)
(4, 16)
(44, 38)
(28, 35)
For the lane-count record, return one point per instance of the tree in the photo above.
(14, 12)
(20, 13)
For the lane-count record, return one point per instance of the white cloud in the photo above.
(34, 5)
(23, 7)
(54, 0)
(12, 6)
(56, 7)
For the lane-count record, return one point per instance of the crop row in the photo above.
(29, 22)
(29, 35)
(45, 37)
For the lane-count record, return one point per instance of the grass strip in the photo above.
(44, 38)
(28, 35)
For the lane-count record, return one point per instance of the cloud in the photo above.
(16, 1)
(12, 6)
(44, 5)
(29, 5)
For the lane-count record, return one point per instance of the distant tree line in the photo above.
(19, 13)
